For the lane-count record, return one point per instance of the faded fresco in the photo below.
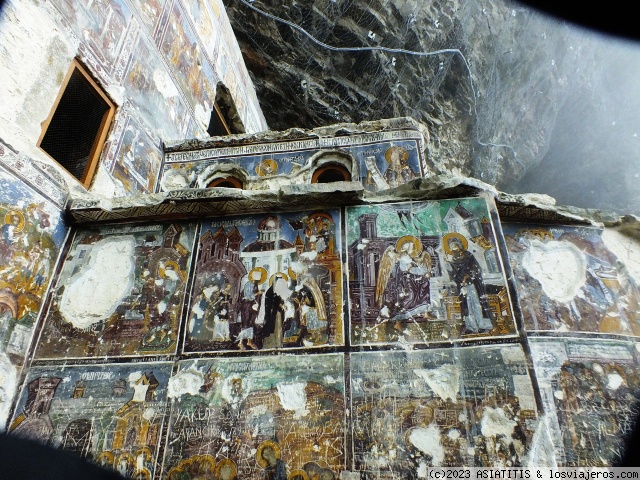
(380, 161)
(101, 24)
(110, 413)
(471, 406)
(138, 159)
(202, 14)
(120, 292)
(590, 391)
(181, 49)
(568, 280)
(31, 236)
(268, 282)
(153, 90)
(150, 11)
(425, 272)
(257, 418)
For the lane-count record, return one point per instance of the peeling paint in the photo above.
(559, 267)
(428, 441)
(95, 292)
(444, 380)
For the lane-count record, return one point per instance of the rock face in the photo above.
(492, 115)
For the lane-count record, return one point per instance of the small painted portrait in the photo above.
(399, 171)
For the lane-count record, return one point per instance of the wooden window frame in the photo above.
(101, 137)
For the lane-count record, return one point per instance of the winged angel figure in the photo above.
(402, 290)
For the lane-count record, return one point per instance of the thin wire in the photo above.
(390, 50)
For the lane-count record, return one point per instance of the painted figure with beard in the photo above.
(466, 273)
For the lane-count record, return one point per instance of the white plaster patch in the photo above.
(185, 382)
(541, 451)
(8, 384)
(453, 434)
(422, 470)
(444, 380)
(202, 115)
(560, 267)
(174, 179)
(427, 440)
(139, 388)
(164, 84)
(293, 397)
(149, 413)
(626, 249)
(559, 394)
(96, 291)
(615, 381)
(495, 422)
(311, 256)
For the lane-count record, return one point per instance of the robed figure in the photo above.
(466, 273)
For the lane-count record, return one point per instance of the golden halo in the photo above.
(448, 237)
(417, 244)
(143, 474)
(292, 274)
(267, 167)
(298, 473)
(105, 455)
(282, 274)
(11, 213)
(404, 155)
(267, 443)
(222, 463)
(205, 459)
(126, 455)
(146, 451)
(263, 274)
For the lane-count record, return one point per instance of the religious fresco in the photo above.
(31, 236)
(120, 292)
(568, 280)
(102, 25)
(379, 161)
(472, 406)
(257, 417)
(425, 272)
(267, 282)
(590, 391)
(202, 14)
(153, 90)
(138, 159)
(180, 47)
(150, 11)
(111, 414)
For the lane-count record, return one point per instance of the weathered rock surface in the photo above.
(494, 120)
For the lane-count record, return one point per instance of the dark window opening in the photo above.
(77, 127)
(331, 173)
(224, 116)
(228, 182)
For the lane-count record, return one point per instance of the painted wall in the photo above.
(160, 61)
(230, 347)
(31, 237)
